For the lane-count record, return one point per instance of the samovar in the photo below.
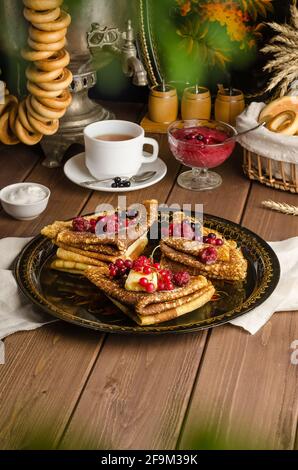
(100, 30)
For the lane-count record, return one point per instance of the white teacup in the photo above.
(116, 157)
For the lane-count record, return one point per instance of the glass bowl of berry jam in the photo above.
(201, 144)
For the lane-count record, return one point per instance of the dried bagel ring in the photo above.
(7, 136)
(22, 114)
(58, 60)
(42, 5)
(36, 76)
(45, 111)
(28, 138)
(60, 83)
(60, 102)
(13, 115)
(33, 56)
(46, 37)
(9, 100)
(35, 114)
(45, 128)
(55, 46)
(285, 123)
(63, 21)
(40, 17)
(35, 90)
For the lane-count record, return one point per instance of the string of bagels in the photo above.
(48, 78)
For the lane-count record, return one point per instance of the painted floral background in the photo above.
(208, 41)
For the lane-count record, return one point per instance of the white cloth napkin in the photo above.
(285, 296)
(16, 313)
(264, 142)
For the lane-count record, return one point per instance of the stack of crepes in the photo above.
(150, 309)
(229, 265)
(79, 250)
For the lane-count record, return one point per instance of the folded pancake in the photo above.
(66, 255)
(203, 298)
(72, 267)
(194, 247)
(114, 245)
(148, 309)
(135, 250)
(235, 269)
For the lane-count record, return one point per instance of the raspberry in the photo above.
(80, 224)
(208, 256)
(181, 278)
(177, 231)
(92, 227)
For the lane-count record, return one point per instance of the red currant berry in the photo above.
(150, 287)
(128, 264)
(219, 242)
(156, 266)
(119, 263)
(205, 239)
(169, 286)
(143, 282)
(114, 271)
(147, 270)
(212, 235)
(161, 285)
(166, 272)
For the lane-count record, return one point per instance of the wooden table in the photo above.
(83, 389)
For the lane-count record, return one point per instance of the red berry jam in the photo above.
(199, 146)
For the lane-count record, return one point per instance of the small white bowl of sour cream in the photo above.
(25, 201)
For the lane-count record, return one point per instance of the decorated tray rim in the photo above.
(271, 277)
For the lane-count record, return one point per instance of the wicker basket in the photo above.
(276, 174)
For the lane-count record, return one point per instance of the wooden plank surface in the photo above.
(246, 392)
(66, 201)
(152, 414)
(87, 390)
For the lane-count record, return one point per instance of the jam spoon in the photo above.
(234, 137)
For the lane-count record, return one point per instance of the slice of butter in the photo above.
(132, 281)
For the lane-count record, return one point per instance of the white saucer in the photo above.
(77, 172)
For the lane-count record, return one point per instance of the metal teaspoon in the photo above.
(133, 179)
